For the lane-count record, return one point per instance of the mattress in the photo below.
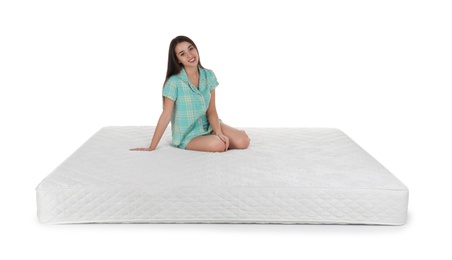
(286, 176)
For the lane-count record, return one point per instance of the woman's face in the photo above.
(187, 54)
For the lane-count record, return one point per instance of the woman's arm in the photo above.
(212, 114)
(214, 120)
(162, 124)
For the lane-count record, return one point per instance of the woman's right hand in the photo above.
(142, 149)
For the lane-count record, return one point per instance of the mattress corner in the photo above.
(103, 128)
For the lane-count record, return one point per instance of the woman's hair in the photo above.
(174, 67)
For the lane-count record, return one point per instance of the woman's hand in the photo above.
(142, 149)
(225, 139)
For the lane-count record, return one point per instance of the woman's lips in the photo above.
(192, 59)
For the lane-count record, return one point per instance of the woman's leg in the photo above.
(206, 143)
(238, 139)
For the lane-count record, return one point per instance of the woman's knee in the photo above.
(243, 141)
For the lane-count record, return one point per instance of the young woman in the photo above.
(189, 103)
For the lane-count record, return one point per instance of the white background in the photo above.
(378, 70)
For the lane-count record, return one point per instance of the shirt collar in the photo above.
(183, 74)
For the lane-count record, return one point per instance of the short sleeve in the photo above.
(170, 89)
(212, 79)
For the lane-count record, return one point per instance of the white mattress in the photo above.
(287, 175)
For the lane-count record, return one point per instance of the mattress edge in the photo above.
(210, 188)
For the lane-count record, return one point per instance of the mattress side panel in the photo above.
(194, 205)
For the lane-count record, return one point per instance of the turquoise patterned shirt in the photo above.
(189, 118)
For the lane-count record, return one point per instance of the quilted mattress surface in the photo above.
(287, 176)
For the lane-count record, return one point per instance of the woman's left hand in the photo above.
(225, 139)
